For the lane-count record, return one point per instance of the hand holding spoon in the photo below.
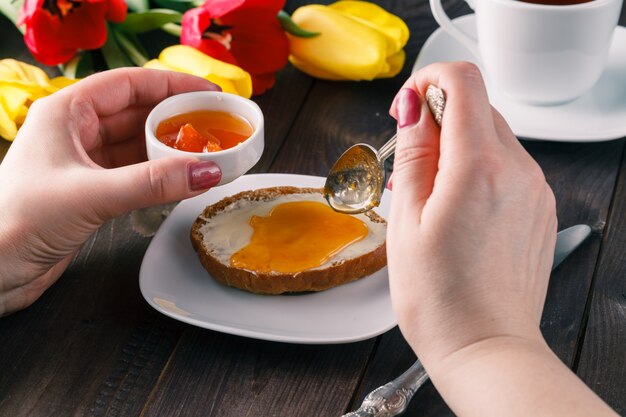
(393, 398)
(356, 182)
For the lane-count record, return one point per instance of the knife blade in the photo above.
(567, 241)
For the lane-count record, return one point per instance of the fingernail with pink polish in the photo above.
(203, 175)
(408, 107)
(390, 182)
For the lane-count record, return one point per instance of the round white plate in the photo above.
(598, 115)
(174, 282)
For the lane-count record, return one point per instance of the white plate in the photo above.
(598, 115)
(174, 282)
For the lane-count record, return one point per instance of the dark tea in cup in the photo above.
(556, 2)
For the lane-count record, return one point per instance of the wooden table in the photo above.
(92, 346)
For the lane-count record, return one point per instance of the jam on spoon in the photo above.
(356, 182)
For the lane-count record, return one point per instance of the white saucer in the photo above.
(597, 116)
(174, 282)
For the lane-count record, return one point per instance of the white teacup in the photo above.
(233, 162)
(539, 53)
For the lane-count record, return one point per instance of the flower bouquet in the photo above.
(237, 44)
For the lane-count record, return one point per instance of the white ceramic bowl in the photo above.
(233, 162)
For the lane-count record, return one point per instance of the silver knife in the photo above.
(393, 398)
(567, 241)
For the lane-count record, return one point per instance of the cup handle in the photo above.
(446, 24)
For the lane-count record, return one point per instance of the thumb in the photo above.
(417, 151)
(154, 182)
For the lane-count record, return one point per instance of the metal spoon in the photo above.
(357, 180)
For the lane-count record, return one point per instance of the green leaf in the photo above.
(113, 54)
(138, 5)
(78, 67)
(173, 29)
(291, 27)
(179, 5)
(150, 20)
(136, 42)
(129, 43)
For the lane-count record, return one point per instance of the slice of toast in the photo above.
(223, 228)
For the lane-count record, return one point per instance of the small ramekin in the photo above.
(233, 162)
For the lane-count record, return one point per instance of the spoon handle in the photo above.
(436, 102)
(387, 149)
(393, 398)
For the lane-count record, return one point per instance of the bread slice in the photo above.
(222, 229)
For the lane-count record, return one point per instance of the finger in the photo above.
(417, 152)
(509, 140)
(112, 91)
(131, 151)
(123, 125)
(153, 182)
(506, 135)
(467, 113)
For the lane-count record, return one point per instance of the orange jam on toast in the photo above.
(296, 236)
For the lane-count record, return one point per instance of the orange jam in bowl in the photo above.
(223, 110)
(204, 131)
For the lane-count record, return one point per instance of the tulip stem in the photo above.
(131, 50)
(172, 29)
(112, 52)
(292, 28)
(80, 66)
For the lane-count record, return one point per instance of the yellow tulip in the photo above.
(357, 40)
(183, 58)
(20, 85)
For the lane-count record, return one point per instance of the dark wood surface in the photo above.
(92, 346)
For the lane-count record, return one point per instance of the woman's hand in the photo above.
(470, 242)
(473, 221)
(78, 161)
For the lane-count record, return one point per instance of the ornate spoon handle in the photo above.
(392, 398)
(436, 102)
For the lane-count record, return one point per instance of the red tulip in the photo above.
(56, 29)
(245, 33)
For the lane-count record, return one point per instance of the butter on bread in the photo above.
(222, 229)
